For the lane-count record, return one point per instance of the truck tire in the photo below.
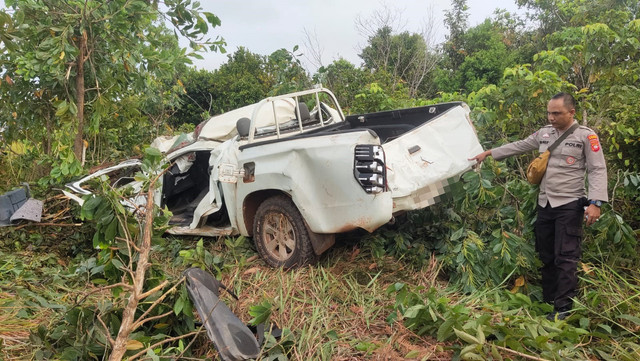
(280, 234)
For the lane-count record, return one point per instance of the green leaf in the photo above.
(152, 355)
(633, 319)
(494, 352)
(177, 307)
(412, 354)
(466, 337)
(91, 203)
(413, 311)
(480, 335)
(154, 152)
(468, 349)
(260, 313)
(212, 19)
(63, 107)
(73, 108)
(472, 356)
(187, 309)
(110, 231)
(457, 234)
(445, 330)
(117, 264)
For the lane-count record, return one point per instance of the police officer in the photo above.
(561, 200)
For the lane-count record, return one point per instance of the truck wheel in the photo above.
(281, 235)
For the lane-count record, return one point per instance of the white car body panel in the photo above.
(422, 163)
(321, 185)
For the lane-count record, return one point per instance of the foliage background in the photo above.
(467, 278)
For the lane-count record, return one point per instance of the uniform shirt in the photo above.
(563, 181)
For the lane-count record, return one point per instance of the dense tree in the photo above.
(196, 103)
(456, 20)
(554, 15)
(344, 79)
(406, 56)
(286, 72)
(242, 80)
(86, 63)
(603, 64)
(485, 56)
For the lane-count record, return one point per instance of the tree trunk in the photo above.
(47, 140)
(78, 143)
(128, 314)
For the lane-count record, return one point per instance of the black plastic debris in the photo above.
(232, 338)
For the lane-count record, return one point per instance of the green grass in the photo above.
(339, 308)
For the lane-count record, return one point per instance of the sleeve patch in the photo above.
(595, 144)
(592, 137)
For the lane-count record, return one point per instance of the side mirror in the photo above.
(242, 126)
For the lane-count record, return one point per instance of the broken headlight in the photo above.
(369, 168)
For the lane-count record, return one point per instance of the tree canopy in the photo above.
(92, 67)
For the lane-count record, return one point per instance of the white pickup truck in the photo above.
(292, 171)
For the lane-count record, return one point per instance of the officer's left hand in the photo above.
(591, 214)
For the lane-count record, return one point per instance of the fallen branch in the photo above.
(194, 333)
(141, 319)
(123, 285)
(141, 322)
(49, 225)
(12, 339)
(520, 353)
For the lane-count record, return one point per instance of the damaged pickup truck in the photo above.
(292, 171)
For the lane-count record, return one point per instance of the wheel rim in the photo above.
(279, 236)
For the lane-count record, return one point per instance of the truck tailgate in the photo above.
(424, 161)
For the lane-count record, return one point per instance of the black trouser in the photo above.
(558, 243)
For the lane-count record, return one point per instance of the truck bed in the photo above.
(387, 125)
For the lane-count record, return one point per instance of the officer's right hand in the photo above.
(481, 157)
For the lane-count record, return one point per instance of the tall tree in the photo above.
(242, 80)
(344, 79)
(552, 15)
(86, 56)
(285, 71)
(408, 58)
(487, 52)
(456, 20)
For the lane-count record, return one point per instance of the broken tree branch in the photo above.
(141, 322)
(194, 333)
(128, 314)
(107, 334)
(48, 225)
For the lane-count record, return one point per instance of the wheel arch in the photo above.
(252, 202)
(320, 242)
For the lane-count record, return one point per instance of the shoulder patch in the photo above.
(594, 142)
